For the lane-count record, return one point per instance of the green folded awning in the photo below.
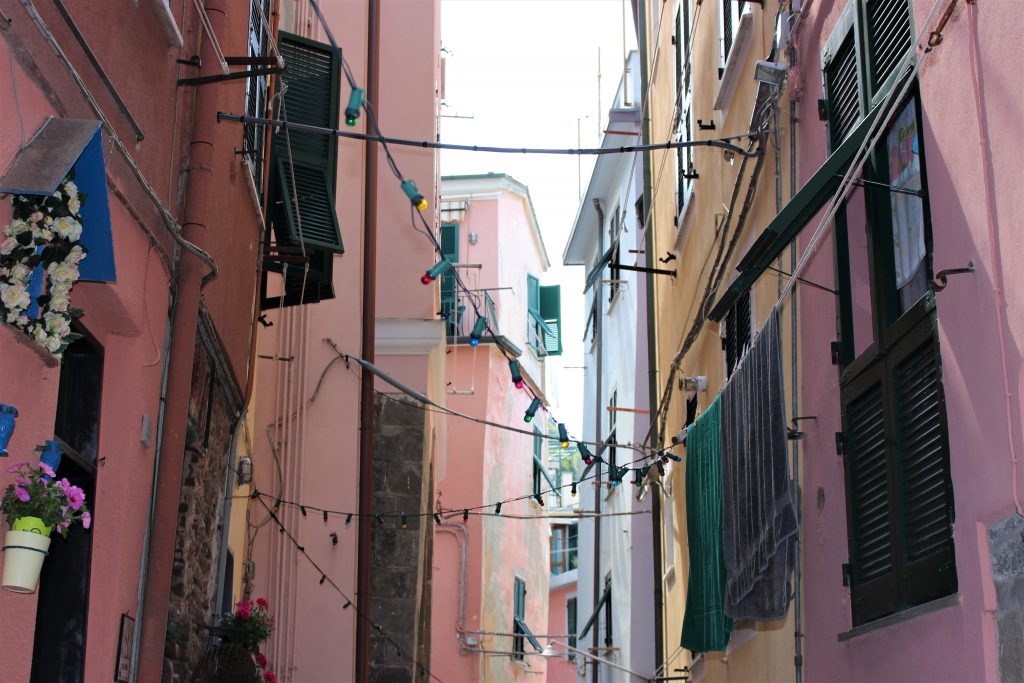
(784, 228)
(605, 597)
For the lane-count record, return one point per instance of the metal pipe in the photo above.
(597, 659)
(366, 395)
(798, 657)
(463, 539)
(598, 404)
(652, 328)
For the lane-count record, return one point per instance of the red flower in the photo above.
(262, 602)
(269, 677)
(261, 659)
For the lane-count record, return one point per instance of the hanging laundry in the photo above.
(759, 523)
(706, 628)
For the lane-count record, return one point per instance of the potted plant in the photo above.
(33, 505)
(247, 627)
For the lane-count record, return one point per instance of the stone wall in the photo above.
(398, 573)
(197, 546)
(1006, 549)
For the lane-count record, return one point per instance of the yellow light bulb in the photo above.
(422, 204)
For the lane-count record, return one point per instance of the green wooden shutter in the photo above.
(532, 294)
(926, 492)
(737, 332)
(551, 313)
(571, 624)
(889, 37)
(310, 215)
(842, 87)
(449, 288)
(518, 614)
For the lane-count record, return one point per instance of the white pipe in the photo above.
(602, 660)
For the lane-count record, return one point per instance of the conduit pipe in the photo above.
(459, 531)
(991, 222)
(171, 456)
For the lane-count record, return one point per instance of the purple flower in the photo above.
(86, 520)
(47, 470)
(21, 493)
(23, 481)
(14, 468)
(76, 497)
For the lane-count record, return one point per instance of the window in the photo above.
(732, 11)
(604, 605)
(615, 234)
(895, 435)
(737, 332)
(538, 463)
(612, 440)
(570, 623)
(521, 633)
(564, 551)
(256, 90)
(302, 222)
(543, 317)
(684, 128)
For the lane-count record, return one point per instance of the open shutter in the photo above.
(551, 313)
(449, 290)
(924, 478)
(842, 87)
(309, 211)
(889, 37)
(737, 332)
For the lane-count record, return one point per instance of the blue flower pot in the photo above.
(52, 452)
(8, 415)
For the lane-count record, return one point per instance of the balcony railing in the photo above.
(459, 313)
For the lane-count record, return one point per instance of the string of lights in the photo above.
(349, 603)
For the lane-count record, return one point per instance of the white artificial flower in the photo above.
(36, 216)
(57, 324)
(22, 320)
(53, 343)
(8, 245)
(14, 296)
(71, 188)
(12, 316)
(63, 272)
(20, 272)
(38, 333)
(57, 195)
(74, 206)
(66, 226)
(17, 227)
(75, 255)
(60, 302)
(48, 220)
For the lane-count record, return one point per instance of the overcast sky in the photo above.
(527, 72)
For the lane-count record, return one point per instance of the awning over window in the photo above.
(57, 148)
(794, 216)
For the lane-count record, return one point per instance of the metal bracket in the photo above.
(942, 277)
(792, 433)
(233, 76)
(710, 125)
(641, 269)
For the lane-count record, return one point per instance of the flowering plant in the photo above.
(44, 232)
(248, 626)
(34, 494)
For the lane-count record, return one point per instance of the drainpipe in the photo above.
(458, 530)
(798, 656)
(185, 318)
(366, 398)
(598, 351)
(652, 327)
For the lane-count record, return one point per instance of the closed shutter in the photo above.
(926, 491)
(551, 313)
(842, 87)
(571, 617)
(518, 615)
(532, 294)
(889, 37)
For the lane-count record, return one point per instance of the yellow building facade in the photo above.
(708, 205)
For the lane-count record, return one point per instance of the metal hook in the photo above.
(942, 277)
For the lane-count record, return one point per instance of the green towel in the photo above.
(705, 626)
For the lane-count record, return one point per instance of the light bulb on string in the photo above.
(497, 508)
(413, 193)
(673, 456)
(584, 453)
(535, 405)
(437, 519)
(465, 515)
(517, 374)
(539, 498)
(572, 489)
(563, 435)
(478, 331)
(405, 521)
(348, 518)
(355, 101)
(435, 271)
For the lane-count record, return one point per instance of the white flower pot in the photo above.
(24, 553)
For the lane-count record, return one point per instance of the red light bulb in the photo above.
(426, 279)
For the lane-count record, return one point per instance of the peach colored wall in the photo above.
(958, 642)
(127, 318)
(560, 669)
(320, 445)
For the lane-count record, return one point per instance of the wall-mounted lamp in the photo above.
(473, 237)
(243, 471)
(771, 73)
(694, 383)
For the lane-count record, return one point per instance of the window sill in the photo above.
(734, 63)
(936, 605)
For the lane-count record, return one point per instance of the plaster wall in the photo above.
(972, 195)
(560, 669)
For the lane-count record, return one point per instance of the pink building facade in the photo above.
(154, 388)
(491, 566)
(911, 374)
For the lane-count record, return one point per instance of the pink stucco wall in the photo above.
(957, 643)
(487, 464)
(127, 318)
(560, 669)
